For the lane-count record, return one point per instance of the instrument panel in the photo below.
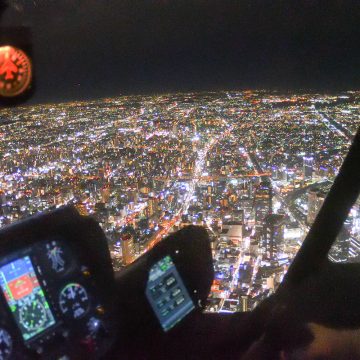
(167, 293)
(59, 298)
(49, 304)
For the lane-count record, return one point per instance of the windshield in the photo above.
(252, 166)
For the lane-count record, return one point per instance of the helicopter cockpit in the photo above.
(63, 294)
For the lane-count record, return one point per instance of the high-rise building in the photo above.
(316, 198)
(273, 234)
(308, 166)
(128, 248)
(244, 303)
(262, 201)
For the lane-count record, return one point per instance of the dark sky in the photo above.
(88, 48)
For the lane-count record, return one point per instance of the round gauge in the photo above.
(56, 257)
(74, 300)
(32, 315)
(15, 71)
(5, 344)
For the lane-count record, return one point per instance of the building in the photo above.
(308, 166)
(316, 198)
(2, 201)
(340, 251)
(273, 235)
(262, 201)
(233, 231)
(244, 303)
(105, 194)
(238, 215)
(128, 248)
(81, 208)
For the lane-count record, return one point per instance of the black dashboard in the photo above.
(60, 299)
(57, 289)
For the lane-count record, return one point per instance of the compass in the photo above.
(32, 315)
(15, 71)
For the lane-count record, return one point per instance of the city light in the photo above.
(252, 167)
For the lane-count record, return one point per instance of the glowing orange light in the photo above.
(15, 71)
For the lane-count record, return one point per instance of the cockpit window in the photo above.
(347, 246)
(346, 120)
(252, 166)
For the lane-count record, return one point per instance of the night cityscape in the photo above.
(252, 167)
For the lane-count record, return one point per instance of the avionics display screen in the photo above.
(167, 294)
(25, 297)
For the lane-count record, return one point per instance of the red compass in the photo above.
(15, 71)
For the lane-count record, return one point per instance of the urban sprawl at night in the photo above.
(252, 167)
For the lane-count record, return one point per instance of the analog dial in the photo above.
(32, 315)
(74, 300)
(15, 71)
(5, 345)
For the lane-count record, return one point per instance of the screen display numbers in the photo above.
(25, 297)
